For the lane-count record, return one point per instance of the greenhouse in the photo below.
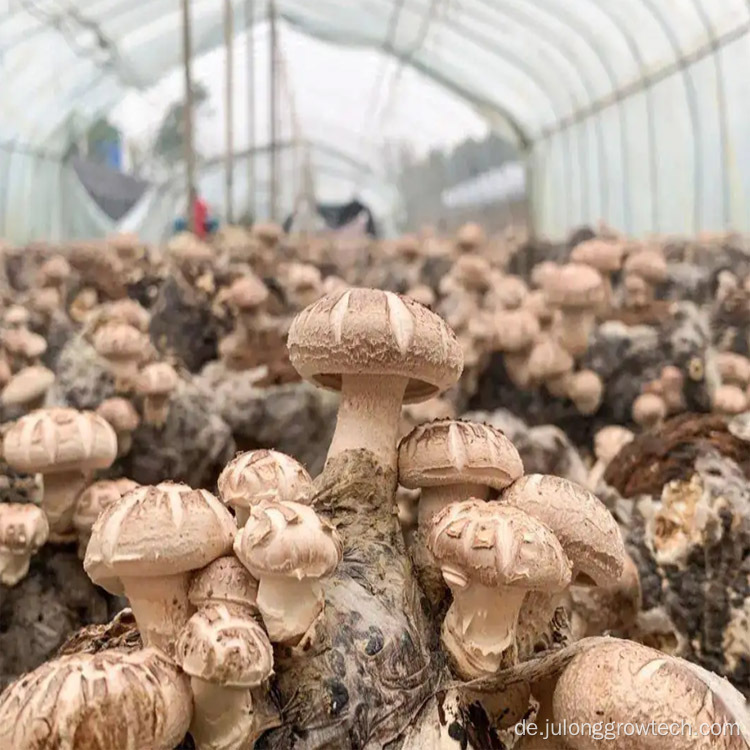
(374, 375)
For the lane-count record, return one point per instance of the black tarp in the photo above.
(114, 192)
(337, 216)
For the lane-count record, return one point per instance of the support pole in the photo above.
(273, 107)
(228, 103)
(250, 52)
(187, 57)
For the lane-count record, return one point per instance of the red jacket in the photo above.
(200, 216)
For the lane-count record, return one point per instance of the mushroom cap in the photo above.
(604, 256)
(120, 413)
(729, 399)
(254, 476)
(60, 439)
(268, 231)
(470, 235)
(446, 451)
(575, 285)
(672, 377)
(157, 379)
(648, 264)
(549, 360)
(610, 440)
(408, 245)
(472, 271)
(515, 330)
(16, 315)
(55, 269)
(588, 533)
(303, 277)
(648, 409)
(369, 332)
(23, 528)
(224, 645)
(248, 292)
(509, 292)
(226, 580)
(46, 300)
(289, 540)
(496, 545)
(422, 294)
(535, 302)
(158, 530)
(119, 341)
(185, 247)
(733, 368)
(632, 684)
(111, 699)
(27, 385)
(543, 271)
(95, 498)
(24, 342)
(128, 311)
(585, 390)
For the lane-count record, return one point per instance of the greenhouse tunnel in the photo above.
(627, 112)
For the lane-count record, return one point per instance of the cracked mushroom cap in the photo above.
(105, 701)
(27, 385)
(157, 530)
(157, 379)
(549, 360)
(516, 330)
(120, 341)
(470, 236)
(96, 498)
(588, 533)
(605, 257)
(733, 368)
(224, 645)
(24, 343)
(497, 545)
(575, 285)
(449, 451)
(225, 580)
(120, 413)
(248, 292)
(610, 440)
(60, 439)
(648, 264)
(255, 476)
(626, 683)
(287, 540)
(16, 316)
(370, 332)
(23, 528)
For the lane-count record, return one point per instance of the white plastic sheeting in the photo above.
(634, 111)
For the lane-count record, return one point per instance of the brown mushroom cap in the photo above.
(27, 385)
(497, 545)
(542, 272)
(24, 343)
(157, 379)
(255, 476)
(54, 271)
(516, 330)
(60, 439)
(610, 440)
(450, 451)
(648, 264)
(287, 539)
(733, 368)
(16, 316)
(549, 360)
(223, 645)
(648, 409)
(585, 390)
(604, 256)
(729, 399)
(225, 580)
(509, 292)
(105, 701)
(120, 341)
(248, 292)
(96, 498)
(186, 248)
(403, 338)
(158, 530)
(625, 683)
(23, 528)
(128, 311)
(268, 232)
(587, 531)
(470, 236)
(120, 413)
(575, 286)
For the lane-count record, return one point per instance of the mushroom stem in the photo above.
(224, 717)
(368, 417)
(480, 627)
(59, 500)
(517, 367)
(160, 606)
(434, 499)
(575, 329)
(156, 410)
(288, 606)
(124, 443)
(13, 567)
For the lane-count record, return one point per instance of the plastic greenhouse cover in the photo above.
(558, 76)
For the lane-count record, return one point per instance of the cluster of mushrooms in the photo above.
(229, 589)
